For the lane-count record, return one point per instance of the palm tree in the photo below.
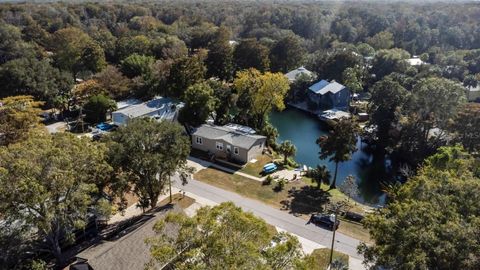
(271, 133)
(339, 145)
(287, 149)
(320, 175)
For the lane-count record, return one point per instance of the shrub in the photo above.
(267, 180)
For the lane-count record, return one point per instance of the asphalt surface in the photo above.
(278, 218)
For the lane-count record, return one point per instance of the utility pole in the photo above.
(333, 239)
(170, 185)
(336, 207)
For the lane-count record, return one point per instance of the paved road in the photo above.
(281, 219)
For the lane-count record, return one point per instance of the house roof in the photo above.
(415, 61)
(293, 75)
(144, 108)
(232, 136)
(129, 251)
(473, 89)
(322, 87)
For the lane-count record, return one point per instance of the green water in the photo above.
(303, 130)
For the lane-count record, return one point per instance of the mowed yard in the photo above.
(300, 197)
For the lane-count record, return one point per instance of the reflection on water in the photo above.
(303, 130)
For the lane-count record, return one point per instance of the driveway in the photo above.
(56, 127)
(280, 219)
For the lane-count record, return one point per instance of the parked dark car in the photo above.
(354, 216)
(325, 221)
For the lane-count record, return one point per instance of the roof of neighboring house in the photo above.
(415, 61)
(144, 108)
(293, 75)
(473, 89)
(129, 251)
(322, 87)
(234, 137)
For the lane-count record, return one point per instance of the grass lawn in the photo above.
(319, 258)
(255, 169)
(178, 199)
(299, 197)
(244, 186)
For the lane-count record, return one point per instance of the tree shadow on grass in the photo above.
(305, 200)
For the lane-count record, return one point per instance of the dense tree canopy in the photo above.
(259, 94)
(147, 167)
(28, 76)
(223, 237)
(75, 51)
(433, 222)
(220, 55)
(18, 115)
(47, 184)
(250, 53)
(200, 102)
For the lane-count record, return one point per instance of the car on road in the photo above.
(325, 221)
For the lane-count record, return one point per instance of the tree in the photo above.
(28, 76)
(386, 104)
(136, 65)
(222, 237)
(132, 44)
(260, 93)
(434, 220)
(112, 80)
(184, 73)
(18, 115)
(299, 88)
(388, 61)
(148, 153)
(169, 48)
(11, 44)
(339, 145)
(75, 51)
(287, 54)
(48, 183)
(470, 81)
(287, 149)
(225, 102)
(220, 55)
(349, 187)
(199, 104)
(353, 78)
(337, 63)
(365, 50)
(320, 175)
(250, 53)
(97, 107)
(466, 127)
(381, 40)
(271, 133)
(434, 102)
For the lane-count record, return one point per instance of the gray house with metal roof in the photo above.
(329, 95)
(230, 142)
(160, 108)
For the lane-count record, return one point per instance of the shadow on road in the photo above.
(305, 200)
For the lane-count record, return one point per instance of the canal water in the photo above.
(303, 129)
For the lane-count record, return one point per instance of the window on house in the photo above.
(199, 140)
(235, 150)
(219, 146)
